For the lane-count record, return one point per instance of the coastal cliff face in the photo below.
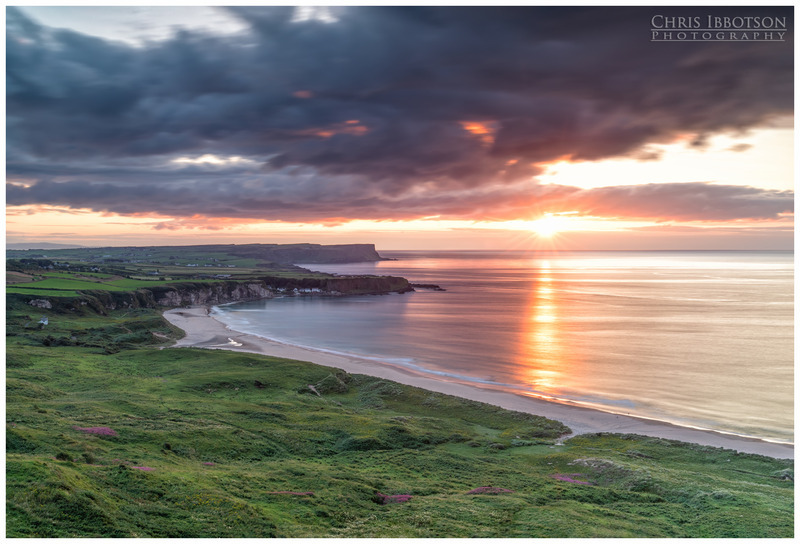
(207, 293)
(344, 285)
(213, 294)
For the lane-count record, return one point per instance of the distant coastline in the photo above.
(203, 331)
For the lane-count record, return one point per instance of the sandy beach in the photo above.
(203, 331)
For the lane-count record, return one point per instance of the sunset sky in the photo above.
(410, 128)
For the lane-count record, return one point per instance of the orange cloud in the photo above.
(352, 127)
(484, 130)
(199, 222)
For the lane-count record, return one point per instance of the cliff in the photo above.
(202, 293)
(199, 294)
(340, 285)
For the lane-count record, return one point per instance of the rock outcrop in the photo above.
(213, 294)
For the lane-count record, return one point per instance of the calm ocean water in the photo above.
(701, 339)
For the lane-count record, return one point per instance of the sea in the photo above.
(701, 339)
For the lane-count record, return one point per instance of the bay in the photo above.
(699, 339)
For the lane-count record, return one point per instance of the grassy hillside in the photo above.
(108, 435)
(48, 283)
(66, 273)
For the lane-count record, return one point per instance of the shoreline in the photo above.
(203, 331)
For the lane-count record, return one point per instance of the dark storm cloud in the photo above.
(325, 199)
(387, 112)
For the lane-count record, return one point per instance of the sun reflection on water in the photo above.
(543, 358)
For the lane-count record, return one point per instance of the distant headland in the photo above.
(271, 253)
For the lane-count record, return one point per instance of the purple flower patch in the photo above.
(488, 491)
(389, 499)
(571, 478)
(144, 468)
(209, 464)
(105, 431)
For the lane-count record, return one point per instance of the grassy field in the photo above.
(109, 435)
(93, 276)
(226, 258)
(41, 292)
(69, 272)
(48, 283)
(71, 285)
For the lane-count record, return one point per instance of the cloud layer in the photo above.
(378, 113)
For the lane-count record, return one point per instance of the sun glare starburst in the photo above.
(547, 226)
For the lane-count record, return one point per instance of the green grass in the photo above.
(61, 283)
(265, 431)
(73, 275)
(67, 273)
(68, 284)
(126, 284)
(40, 292)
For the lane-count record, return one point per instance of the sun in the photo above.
(547, 226)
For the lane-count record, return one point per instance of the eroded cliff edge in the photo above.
(219, 292)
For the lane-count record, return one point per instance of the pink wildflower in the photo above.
(571, 478)
(106, 431)
(387, 499)
(209, 464)
(144, 468)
